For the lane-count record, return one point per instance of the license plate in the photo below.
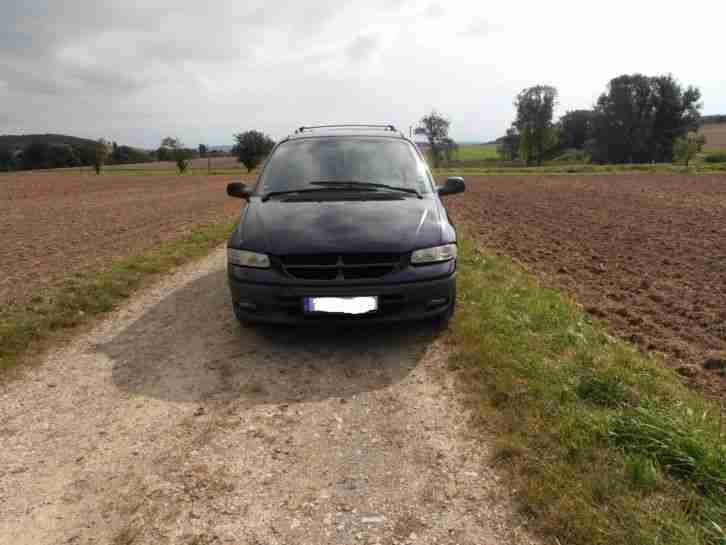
(341, 305)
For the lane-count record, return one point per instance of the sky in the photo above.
(136, 71)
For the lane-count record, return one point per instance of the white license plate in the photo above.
(341, 305)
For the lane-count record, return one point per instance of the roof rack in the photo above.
(346, 126)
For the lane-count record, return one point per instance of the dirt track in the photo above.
(646, 253)
(54, 224)
(169, 423)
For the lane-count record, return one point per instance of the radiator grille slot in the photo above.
(340, 266)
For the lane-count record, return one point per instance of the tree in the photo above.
(164, 154)
(127, 154)
(180, 155)
(436, 129)
(686, 148)
(508, 146)
(6, 159)
(202, 150)
(639, 118)
(252, 147)
(535, 108)
(450, 148)
(36, 155)
(86, 154)
(62, 155)
(102, 152)
(575, 128)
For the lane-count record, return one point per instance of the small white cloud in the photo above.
(434, 11)
(478, 28)
(362, 48)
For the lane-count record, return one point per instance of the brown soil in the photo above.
(197, 165)
(54, 224)
(646, 253)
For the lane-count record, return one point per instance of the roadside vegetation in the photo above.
(27, 329)
(602, 444)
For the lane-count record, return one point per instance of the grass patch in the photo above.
(27, 329)
(477, 152)
(603, 445)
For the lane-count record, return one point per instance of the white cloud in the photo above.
(136, 70)
(480, 27)
(362, 48)
(434, 10)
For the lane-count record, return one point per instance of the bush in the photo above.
(573, 156)
(252, 147)
(719, 157)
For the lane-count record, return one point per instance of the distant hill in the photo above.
(38, 151)
(20, 141)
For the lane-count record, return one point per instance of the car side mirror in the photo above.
(238, 189)
(453, 185)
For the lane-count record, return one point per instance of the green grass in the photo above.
(602, 444)
(27, 329)
(479, 152)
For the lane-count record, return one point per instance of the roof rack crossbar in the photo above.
(345, 126)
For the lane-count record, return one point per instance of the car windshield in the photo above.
(305, 163)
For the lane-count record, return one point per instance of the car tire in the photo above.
(244, 322)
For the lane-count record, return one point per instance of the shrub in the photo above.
(718, 157)
(573, 156)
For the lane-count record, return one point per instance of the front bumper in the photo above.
(283, 304)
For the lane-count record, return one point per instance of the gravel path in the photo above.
(168, 423)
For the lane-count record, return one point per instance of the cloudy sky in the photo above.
(135, 71)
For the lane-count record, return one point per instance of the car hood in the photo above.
(279, 227)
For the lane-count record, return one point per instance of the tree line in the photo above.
(59, 151)
(638, 119)
(40, 153)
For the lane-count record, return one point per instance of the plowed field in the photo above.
(52, 225)
(645, 253)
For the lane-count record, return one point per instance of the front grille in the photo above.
(340, 266)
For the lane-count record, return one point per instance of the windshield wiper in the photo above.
(355, 184)
(267, 196)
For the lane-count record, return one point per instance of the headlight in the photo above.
(434, 255)
(243, 258)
